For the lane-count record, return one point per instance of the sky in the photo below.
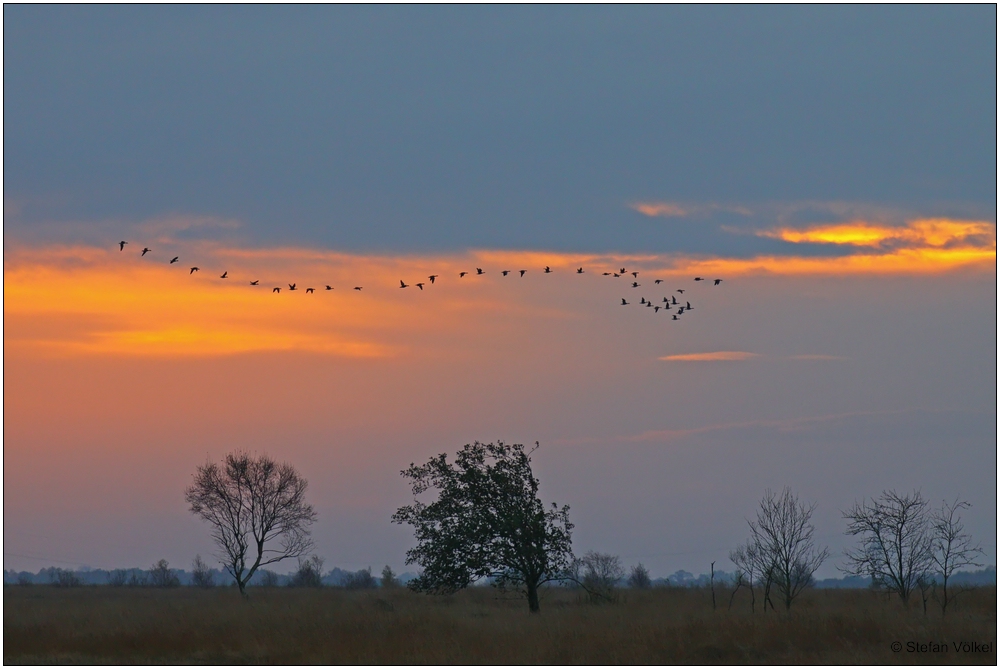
(834, 166)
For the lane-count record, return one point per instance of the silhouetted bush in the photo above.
(602, 572)
(201, 576)
(639, 578)
(309, 573)
(162, 576)
(389, 579)
(118, 578)
(64, 578)
(360, 580)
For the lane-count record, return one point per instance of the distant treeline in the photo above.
(341, 578)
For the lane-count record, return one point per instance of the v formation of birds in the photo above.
(667, 304)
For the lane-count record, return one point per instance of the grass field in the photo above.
(479, 626)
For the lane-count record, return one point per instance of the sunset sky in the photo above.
(834, 166)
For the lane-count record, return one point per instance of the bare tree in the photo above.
(201, 575)
(638, 578)
(896, 541)
(951, 547)
(256, 509)
(602, 572)
(783, 536)
(118, 578)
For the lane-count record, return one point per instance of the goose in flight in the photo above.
(548, 270)
(402, 285)
(675, 317)
(523, 271)
(479, 270)
(254, 283)
(329, 287)
(718, 281)
(642, 301)
(505, 272)
(579, 270)
(276, 290)
(193, 270)
(680, 290)
(635, 284)
(461, 274)
(635, 275)
(419, 285)
(121, 245)
(658, 281)
(674, 298)
(656, 309)
(688, 306)
(605, 273)
(616, 275)
(624, 302)
(291, 286)
(310, 290)
(145, 250)
(698, 278)
(432, 277)
(357, 288)
(225, 275)
(621, 271)
(175, 259)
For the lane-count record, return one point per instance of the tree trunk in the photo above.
(532, 597)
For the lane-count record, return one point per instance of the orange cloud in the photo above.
(659, 209)
(916, 234)
(713, 356)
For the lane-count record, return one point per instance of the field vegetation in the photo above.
(480, 625)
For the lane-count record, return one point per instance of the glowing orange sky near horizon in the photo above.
(76, 300)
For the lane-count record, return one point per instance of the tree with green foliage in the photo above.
(486, 523)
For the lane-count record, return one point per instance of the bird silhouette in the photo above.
(254, 283)
(276, 290)
(505, 272)
(145, 250)
(432, 277)
(718, 281)
(193, 270)
(357, 288)
(635, 284)
(617, 275)
(635, 275)
(329, 287)
(461, 274)
(680, 290)
(548, 270)
(479, 270)
(310, 290)
(681, 310)
(175, 259)
(698, 278)
(605, 273)
(121, 245)
(291, 286)
(688, 306)
(419, 285)
(402, 285)
(523, 271)
(658, 281)
(624, 302)
(649, 304)
(225, 275)
(579, 270)
(642, 301)
(675, 317)
(621, 271)
(674, 298)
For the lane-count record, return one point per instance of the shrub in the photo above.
(638, 578)
(201, 576)
(360, 580)
(309, 573)
(162, 576)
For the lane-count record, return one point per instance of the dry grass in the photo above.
(479, 626)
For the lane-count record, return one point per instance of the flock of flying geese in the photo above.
(667, 304)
